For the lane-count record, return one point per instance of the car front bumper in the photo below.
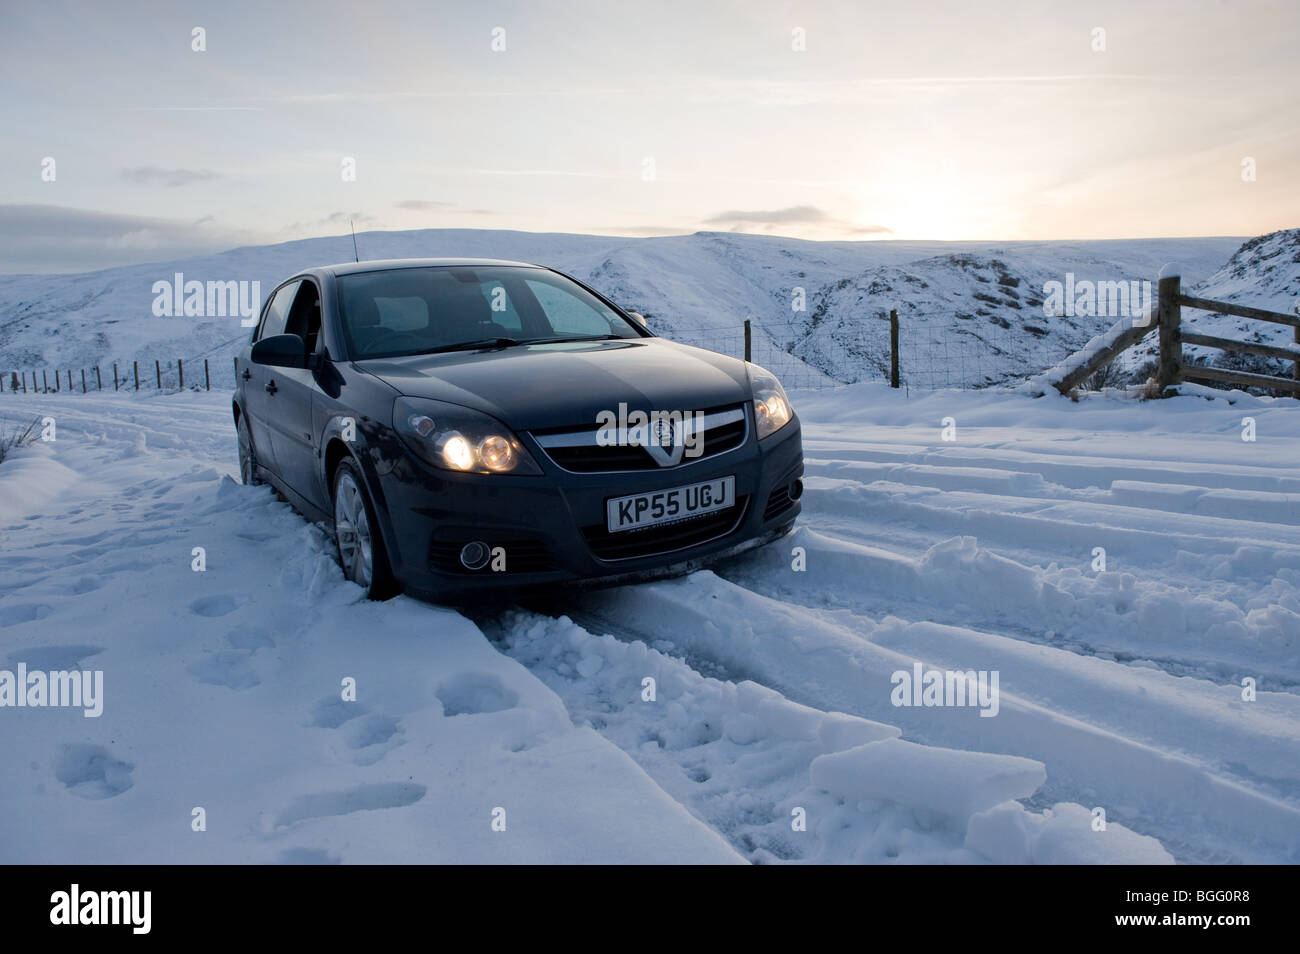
(551, 529)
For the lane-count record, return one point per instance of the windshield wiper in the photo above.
(574, 338)
(481, 343)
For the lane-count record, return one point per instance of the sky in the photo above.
(996, 120)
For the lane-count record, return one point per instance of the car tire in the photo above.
(358, 542)
(247, 456)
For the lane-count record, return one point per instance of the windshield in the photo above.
(443, 308)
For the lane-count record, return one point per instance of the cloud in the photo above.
(802, 214)
(424, 205)
(152, 175)
(51, 238)
(771, 220)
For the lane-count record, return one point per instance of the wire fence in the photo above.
(936, 350)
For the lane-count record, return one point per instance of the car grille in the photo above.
(575, 449)
(522, 556)
(664, 538)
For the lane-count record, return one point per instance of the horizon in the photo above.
(162, 133)
(346, 237)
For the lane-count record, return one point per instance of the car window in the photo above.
(418, 310)
(304, 316)
(503, 307)
(277, 313)
(568, 314)
(402, 314)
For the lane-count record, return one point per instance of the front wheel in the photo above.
(359, 543)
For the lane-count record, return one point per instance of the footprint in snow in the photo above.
(24, 613)
(365, 798)
(475, 693)
(88, 771)
(212, 606)
(51, 658)
(230, 668)
(250, 637)
(332, 712)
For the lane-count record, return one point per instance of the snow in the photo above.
(742, 713)
(970, 313)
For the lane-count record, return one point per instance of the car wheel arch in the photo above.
(338, 450)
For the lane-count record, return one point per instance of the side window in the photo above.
(304, 317)
(277, 313)
(503, 309)
(567, 314)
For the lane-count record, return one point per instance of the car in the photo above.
(468, 427)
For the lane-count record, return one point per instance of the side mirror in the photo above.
(280, 351)
(638, 318)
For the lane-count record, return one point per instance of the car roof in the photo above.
(352, 268)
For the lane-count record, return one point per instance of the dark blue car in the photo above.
(469, 426)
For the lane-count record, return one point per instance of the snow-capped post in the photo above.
(893, 347)
(748, 340)
(1170, 317)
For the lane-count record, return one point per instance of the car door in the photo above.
(292, 399)
(258, 380)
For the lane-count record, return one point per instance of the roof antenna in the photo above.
(355, 256)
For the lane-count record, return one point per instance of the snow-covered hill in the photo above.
(970, 312)
(1265, 273)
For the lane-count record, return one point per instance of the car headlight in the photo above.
(772, 409)
(457, 438)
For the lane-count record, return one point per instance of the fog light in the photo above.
(475, 555)
(796, 490)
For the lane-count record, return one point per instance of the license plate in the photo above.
(666, 506)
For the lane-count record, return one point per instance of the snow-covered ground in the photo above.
(1120, 689)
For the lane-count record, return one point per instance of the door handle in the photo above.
(270, 387)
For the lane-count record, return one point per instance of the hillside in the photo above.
(971, 312)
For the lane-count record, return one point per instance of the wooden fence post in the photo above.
(207, 378)
(69, 379)
(25, 384)
(83, 380)
(893, 348)
(180, 372)
(157, 370)
(135, 366)
(45, 381)
(99, 381)
(114, 375)
(1171, 344)
(748, 340)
